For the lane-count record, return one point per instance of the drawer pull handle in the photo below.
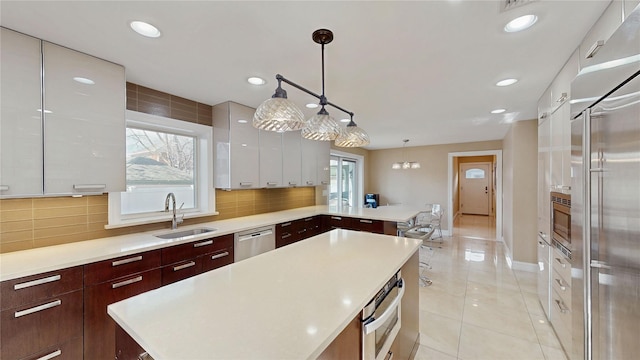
(324, 182)
(204, 243)
(336, 218)
(366, 221)
(271, 183)
(126, 261)
(542, 234)
(293, 183)
(308, 219)
(309, 182)
(562, 287)
(246, 183)
(4, 187)
(81, 187)
(184, 266)
(218, 256)
(37, 308)
(560, 304)
(561, 263)
(285, 236)
(126, 282)
(36, 282)
(51, 356)
(285, 224)
(302, 231)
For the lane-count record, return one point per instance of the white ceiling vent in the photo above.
(506, 5)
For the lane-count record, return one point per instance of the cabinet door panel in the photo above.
(244, 147)
(180, 271)
(191, 250)
(544, 179)
(291, 159)
(323, 154)
(71, 350)
(40, 325)
(99, 328)
(84, 123)
(309, 163)
(270, 159)
(217, 259)
(20, 118)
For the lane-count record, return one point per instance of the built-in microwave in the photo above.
(561, 219)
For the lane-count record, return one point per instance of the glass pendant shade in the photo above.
(396, 166)
(352, 136)
(278, 114)
(321, 127)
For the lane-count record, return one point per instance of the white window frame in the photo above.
(359, 159)
(204, 172)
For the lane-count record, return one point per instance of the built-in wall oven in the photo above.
(561, 221)
(381, 320)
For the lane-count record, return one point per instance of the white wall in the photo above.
(519, 176)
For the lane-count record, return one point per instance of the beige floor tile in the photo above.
(439, 332)
(510, 301)
(499, 319)
(441, 303)
(482, 344)
(497, 278)
(533, 303)
(546, 335)
(551, 353)
(427, 353)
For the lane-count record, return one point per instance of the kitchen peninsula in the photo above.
(290, 303)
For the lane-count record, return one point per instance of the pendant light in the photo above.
(352, 136)
(280, 114)
(404, 165)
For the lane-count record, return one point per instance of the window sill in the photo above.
(157, 219)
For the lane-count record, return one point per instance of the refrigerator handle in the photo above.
(586, 232)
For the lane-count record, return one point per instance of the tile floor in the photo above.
(477, 307)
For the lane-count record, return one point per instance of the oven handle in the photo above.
(378, 322)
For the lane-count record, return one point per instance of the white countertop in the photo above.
(290, 303)
(29, 262)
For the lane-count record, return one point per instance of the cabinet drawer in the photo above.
(288, 232)
(71, 350)
(372, 226)
(191, 250)
(40, 325)
(217, 259)
(99, 328)
(115, 268)
(562, 288)
(39, 287)
(312, 225)
(561, 319)
(180, 271)
(340, 222)
(561, 265)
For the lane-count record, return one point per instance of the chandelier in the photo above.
(280, 114)
(404, 165)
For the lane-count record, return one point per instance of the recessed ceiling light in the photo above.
(312, 105)
(506, 82)
(520, 23)
(498, 111)
(45, 111)
(345, 120)
(254, 80)
(85, 81)
(242, 121)
(145, 29)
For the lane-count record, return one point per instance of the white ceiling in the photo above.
(420, 70)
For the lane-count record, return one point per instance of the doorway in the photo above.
(345, 188)
(480, 211)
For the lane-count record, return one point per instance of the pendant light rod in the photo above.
(319, 97)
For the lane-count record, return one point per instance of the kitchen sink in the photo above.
(183, 234)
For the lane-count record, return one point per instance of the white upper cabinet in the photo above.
(84, 123)
(601, 31)
(323, 155)
(561, 149)
(544, 106)
(271, 158)
(236, 147)
(309, 162)
(292, 158)
(561, 85)
(629, 6)
(20, 118)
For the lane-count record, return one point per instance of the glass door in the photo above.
(344, 189)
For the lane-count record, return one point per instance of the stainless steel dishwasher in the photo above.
(253, 242)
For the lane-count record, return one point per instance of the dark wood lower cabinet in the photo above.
(71, 350)
(347, 344)
(99, 328)
(27, 329)
(126, 347)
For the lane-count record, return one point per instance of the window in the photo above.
(474, 174)
(346, 180)
(164, 156)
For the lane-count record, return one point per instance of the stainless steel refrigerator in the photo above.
(605, 212)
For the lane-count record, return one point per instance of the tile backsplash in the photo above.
(36, 222)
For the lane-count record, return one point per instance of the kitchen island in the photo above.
(290, 303)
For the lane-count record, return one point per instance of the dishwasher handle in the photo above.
(255, 234)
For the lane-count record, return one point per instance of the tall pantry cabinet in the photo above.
(62, 128)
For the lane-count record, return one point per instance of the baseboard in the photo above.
(524, 266)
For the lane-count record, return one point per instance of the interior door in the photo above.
(475, 188)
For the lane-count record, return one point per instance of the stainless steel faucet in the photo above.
(175, 221)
